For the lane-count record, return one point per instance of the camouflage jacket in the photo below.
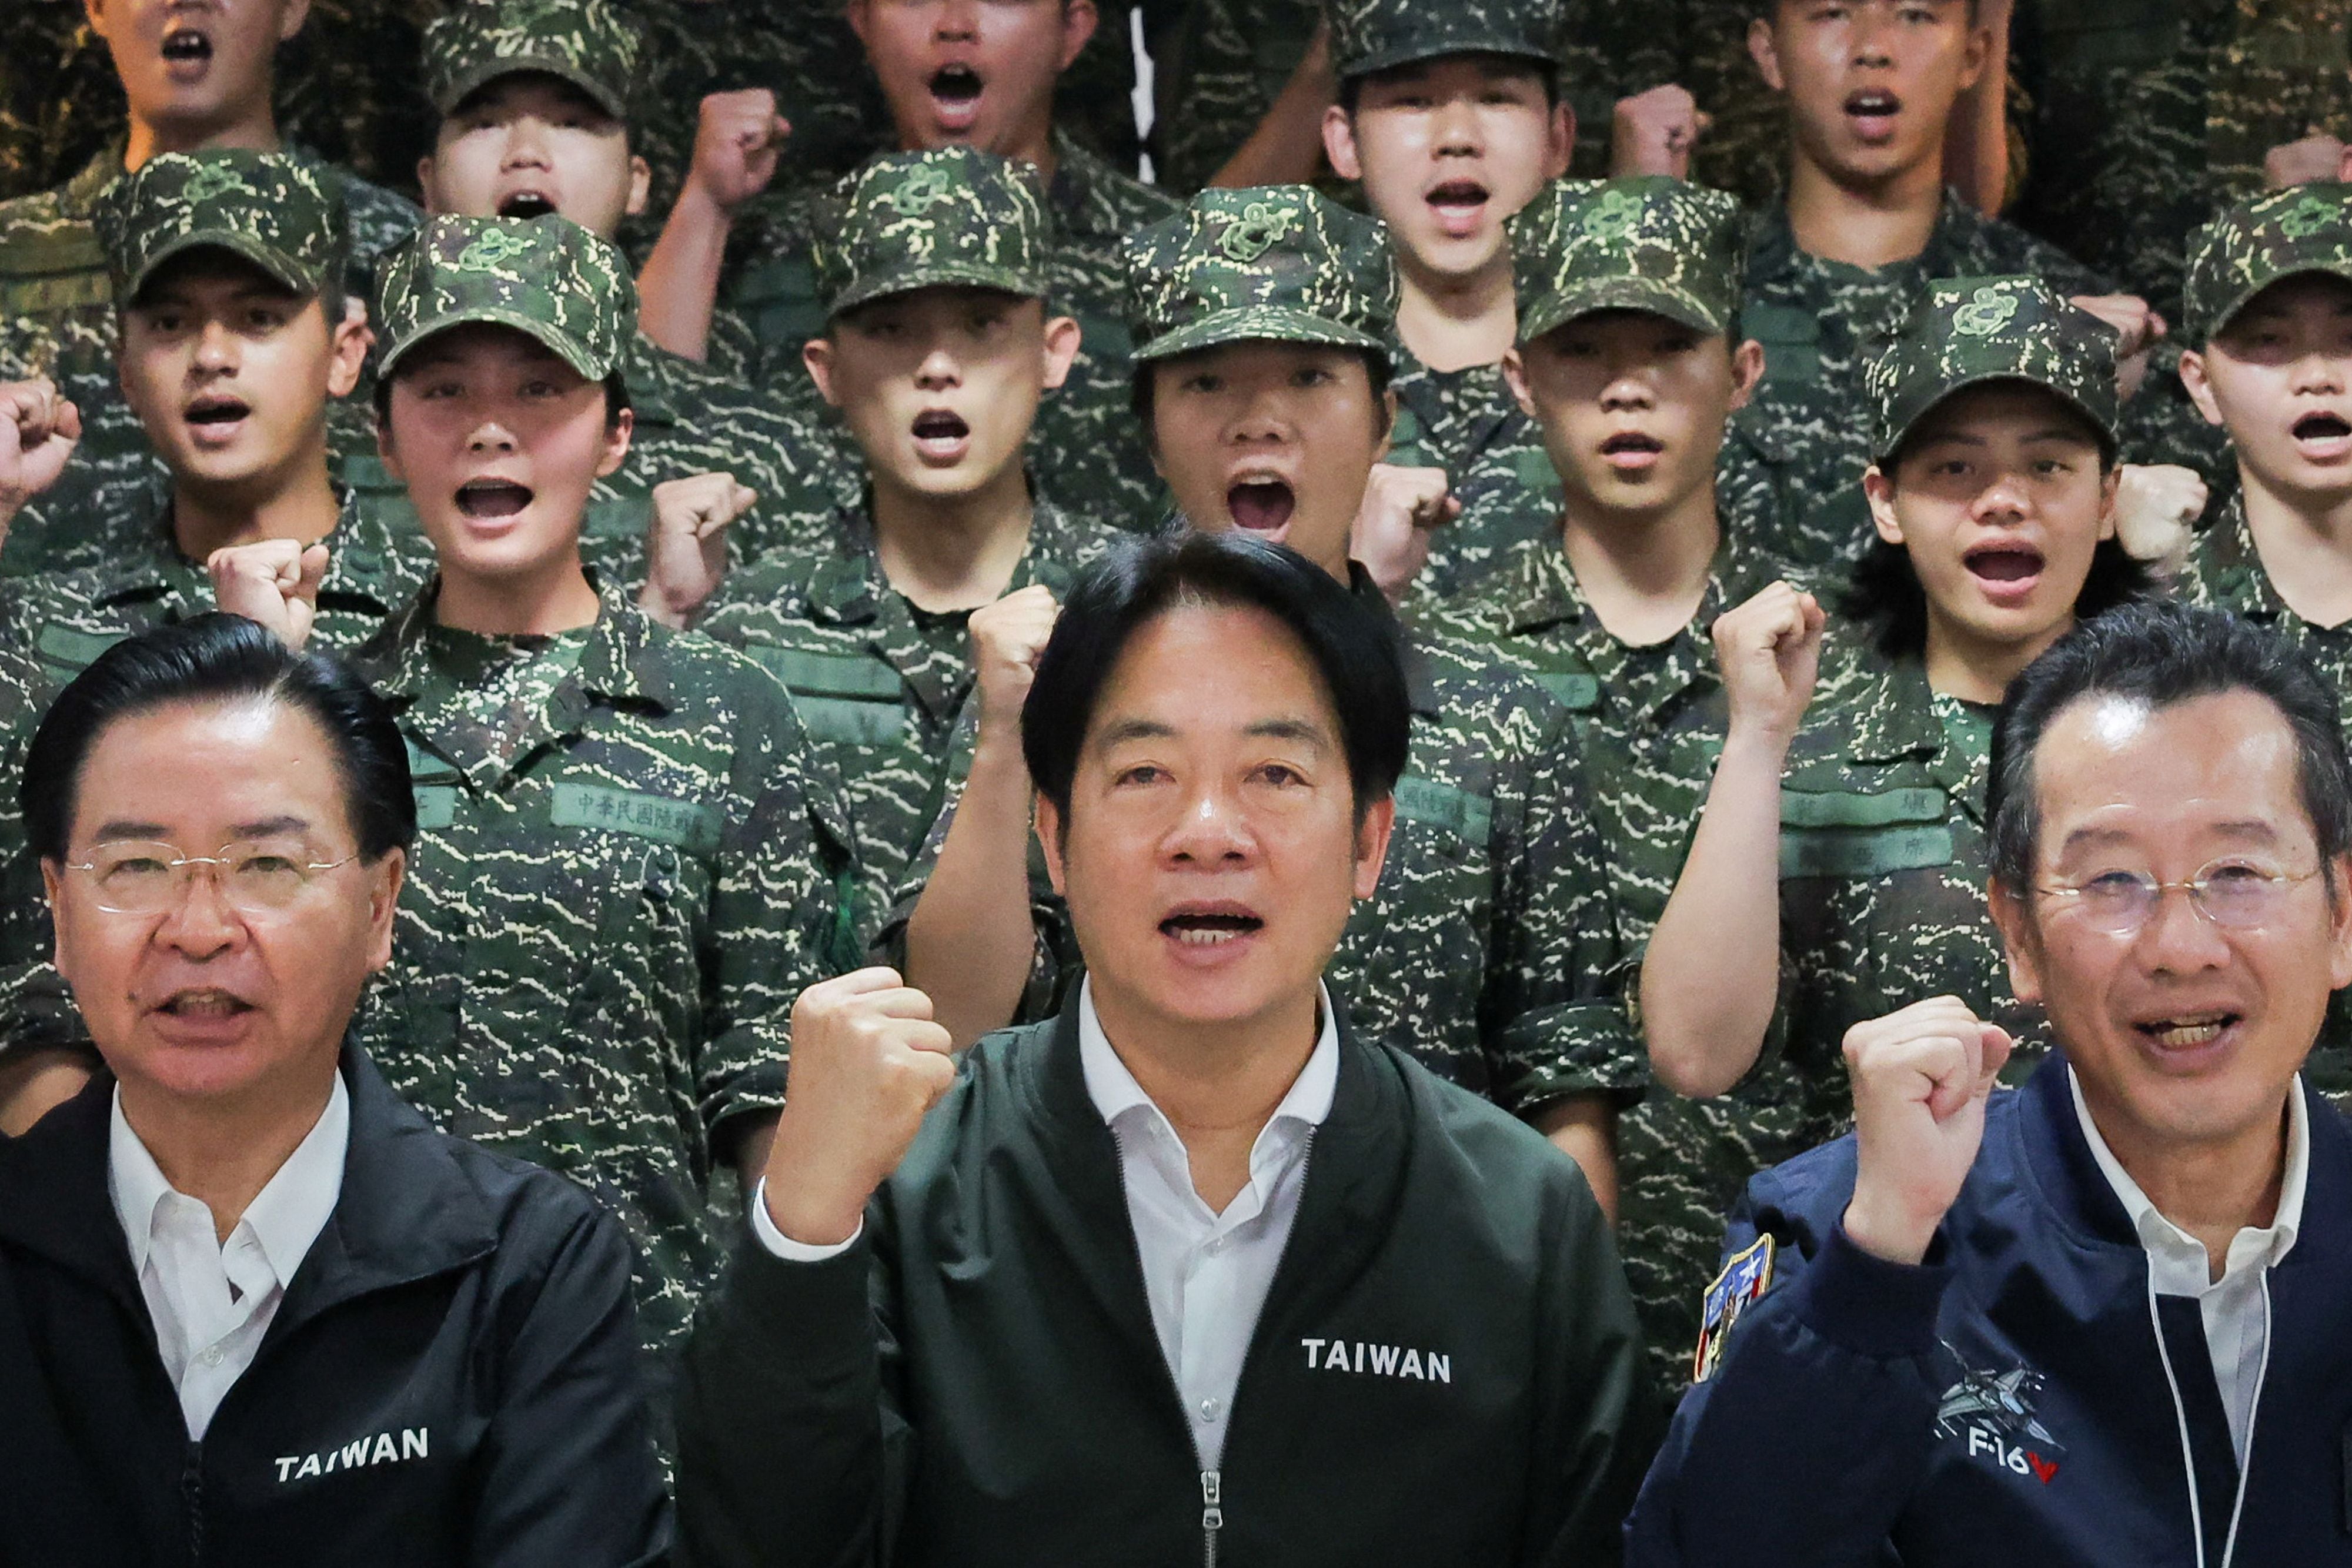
(2143, 117)
(878, 683)
(1467, 423)
(624, 872)
(1086, 438)
(57, 317)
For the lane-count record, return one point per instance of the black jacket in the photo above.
(451, 1378)
(977, 1381)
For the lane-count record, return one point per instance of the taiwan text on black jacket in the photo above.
(2008, 1401)
(451, 1377)
(1446, 1369)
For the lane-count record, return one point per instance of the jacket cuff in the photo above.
(1883, 1310)
(779, 1245)
(811, 1318)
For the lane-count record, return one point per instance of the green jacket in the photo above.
(623, 875)
(977, 1380)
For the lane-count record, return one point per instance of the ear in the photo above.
(1387, 426)
(617, 443)
(1515, 376)
(1978, 52)
(1879, 491)
(641, 184)
(1062, 338)
(1340, 143)
(2110, 482)
(52, 885)
(2200, 384)
(95, 11)
(859, 21)
(350, 341)
(1049, 841)
(1765, 53)
(1560, 144)
(384, 881)
(817, 355)
(386, 453)
(1079, 20)
(291, 20)
(1747, 372)
(1372, 845)
(2021, 942)
(2339, 921)
(425, 167)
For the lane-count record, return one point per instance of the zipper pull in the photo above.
(1212, 1487)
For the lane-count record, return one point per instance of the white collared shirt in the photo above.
(1206, 1274)
(211, 1301)
(2237, 1329)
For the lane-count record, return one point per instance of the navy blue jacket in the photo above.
(2006, 1401)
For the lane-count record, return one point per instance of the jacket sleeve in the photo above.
(1815, 1431)
(1598, 1424)
(570, 1474)
(789, 1444)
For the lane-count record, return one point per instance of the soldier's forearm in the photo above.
(680, 281)
(963, 948)
(1286, 147)
(1584, 1128)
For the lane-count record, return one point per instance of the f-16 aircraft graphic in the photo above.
(2001, 1400)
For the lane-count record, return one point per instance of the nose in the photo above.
(2179, 939)
(2321, 374)
(216, 347)
(958, 19)
(200, 924)
(491, 435)
(1629, 388)
(526, 144)
(1210, 831)
(2006, 499)
(1263, 420)
(939, 370)
(1874, 30)
(1456, 129)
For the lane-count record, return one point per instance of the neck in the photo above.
(557, 599)
(953, 552)
(1875, 222)
(2211, 1190)
(1217, 1084)
(297, 504)
(1032, 143)
(256, 131)
(1976, 669)
(1645, 573)
(223, 1155)
(2306, 545)
(1455, 323)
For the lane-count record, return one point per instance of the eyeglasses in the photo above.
(2236, 894)
(255, 876)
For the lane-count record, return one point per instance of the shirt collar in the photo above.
(1115, 1092)
(286, 1215)
(2167, 1243)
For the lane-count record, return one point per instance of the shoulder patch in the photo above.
(1744, 1278)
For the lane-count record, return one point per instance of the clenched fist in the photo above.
(736, 146)
(39, 427)
(868, 1064)
(1653, 132)
(1770, 650)
(273, 581)
(1921, 1078)
(2139, 329)
(2156, 505)
(1008, 638)
(2317, 156)
(1395, 523)
(686, 548)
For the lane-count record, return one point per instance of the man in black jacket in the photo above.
(252, 1309)
(1186, 1274)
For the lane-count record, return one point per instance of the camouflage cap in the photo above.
(545, 276)
(915, 220)
(2281, 234)
(1278, 261)
(1650, 243)
(1370, 35)
(587, 43)
(1969, 330)
(280, 213)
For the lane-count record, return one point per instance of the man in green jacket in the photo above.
(1190, 1272)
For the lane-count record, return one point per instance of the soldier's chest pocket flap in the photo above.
(1456, 812)
(853, 699)
(1851, 833)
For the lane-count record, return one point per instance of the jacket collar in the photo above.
(849, 588)
(2231, 566)
(1773, 251)
(619, 663)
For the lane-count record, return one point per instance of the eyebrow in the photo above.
(2100, 837)
(261, 828)
(1120, 731)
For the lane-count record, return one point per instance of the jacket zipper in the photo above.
(192, 1493)
(1213, 1518)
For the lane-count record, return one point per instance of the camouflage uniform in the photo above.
(626, 865)
(57, 318)
(2144, 116)
(1086, 437)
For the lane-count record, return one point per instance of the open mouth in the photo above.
(2322, 426)
(1872, 112)
(2007, 564)
(939, 424)
(490, 499)
(1459, 205)
(1210, 927)
(1261, 505)
(204, 1002)
(526, 205)
(2186, 1033)
(1631, 449)
(212, 413)
(186, 45)
(955, 90)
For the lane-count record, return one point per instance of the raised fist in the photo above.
(1921, 1078)
(1770, 650)
(2318, 156)
(1394, 524)
(273, 581)
(39, 427)
(2156, 505)
(2139, 329)
(1653, 132)
(1008, 638)
(736, 146)
(686, 545)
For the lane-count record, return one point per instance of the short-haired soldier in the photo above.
(256, 1308)
(1191, 1271)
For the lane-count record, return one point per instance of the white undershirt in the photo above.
(1206, 1274)
(211, 1301)
(2236, 1322)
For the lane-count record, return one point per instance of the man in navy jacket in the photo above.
(2100, 1320)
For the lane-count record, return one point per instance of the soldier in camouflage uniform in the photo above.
(1874, 896)
(57, 308)
(627, 867)
(189, 235)
(1490, 950)
(516, 81)
(879, 669)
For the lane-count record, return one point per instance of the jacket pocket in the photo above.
(1850, 833)
(852, 699)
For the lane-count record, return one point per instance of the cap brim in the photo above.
(936, 275)
(1644, 294)
(280, 267)
(466, 82)
(2328, 268)
(1258, 323)
(1944, 392)
(557, 342)
(1414, 54)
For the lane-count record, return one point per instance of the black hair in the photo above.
(2161, 654)
(1144, 392)
(1352, 646)
(1352, 87)
(219, 658)
(616, 395)
(635, 101)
